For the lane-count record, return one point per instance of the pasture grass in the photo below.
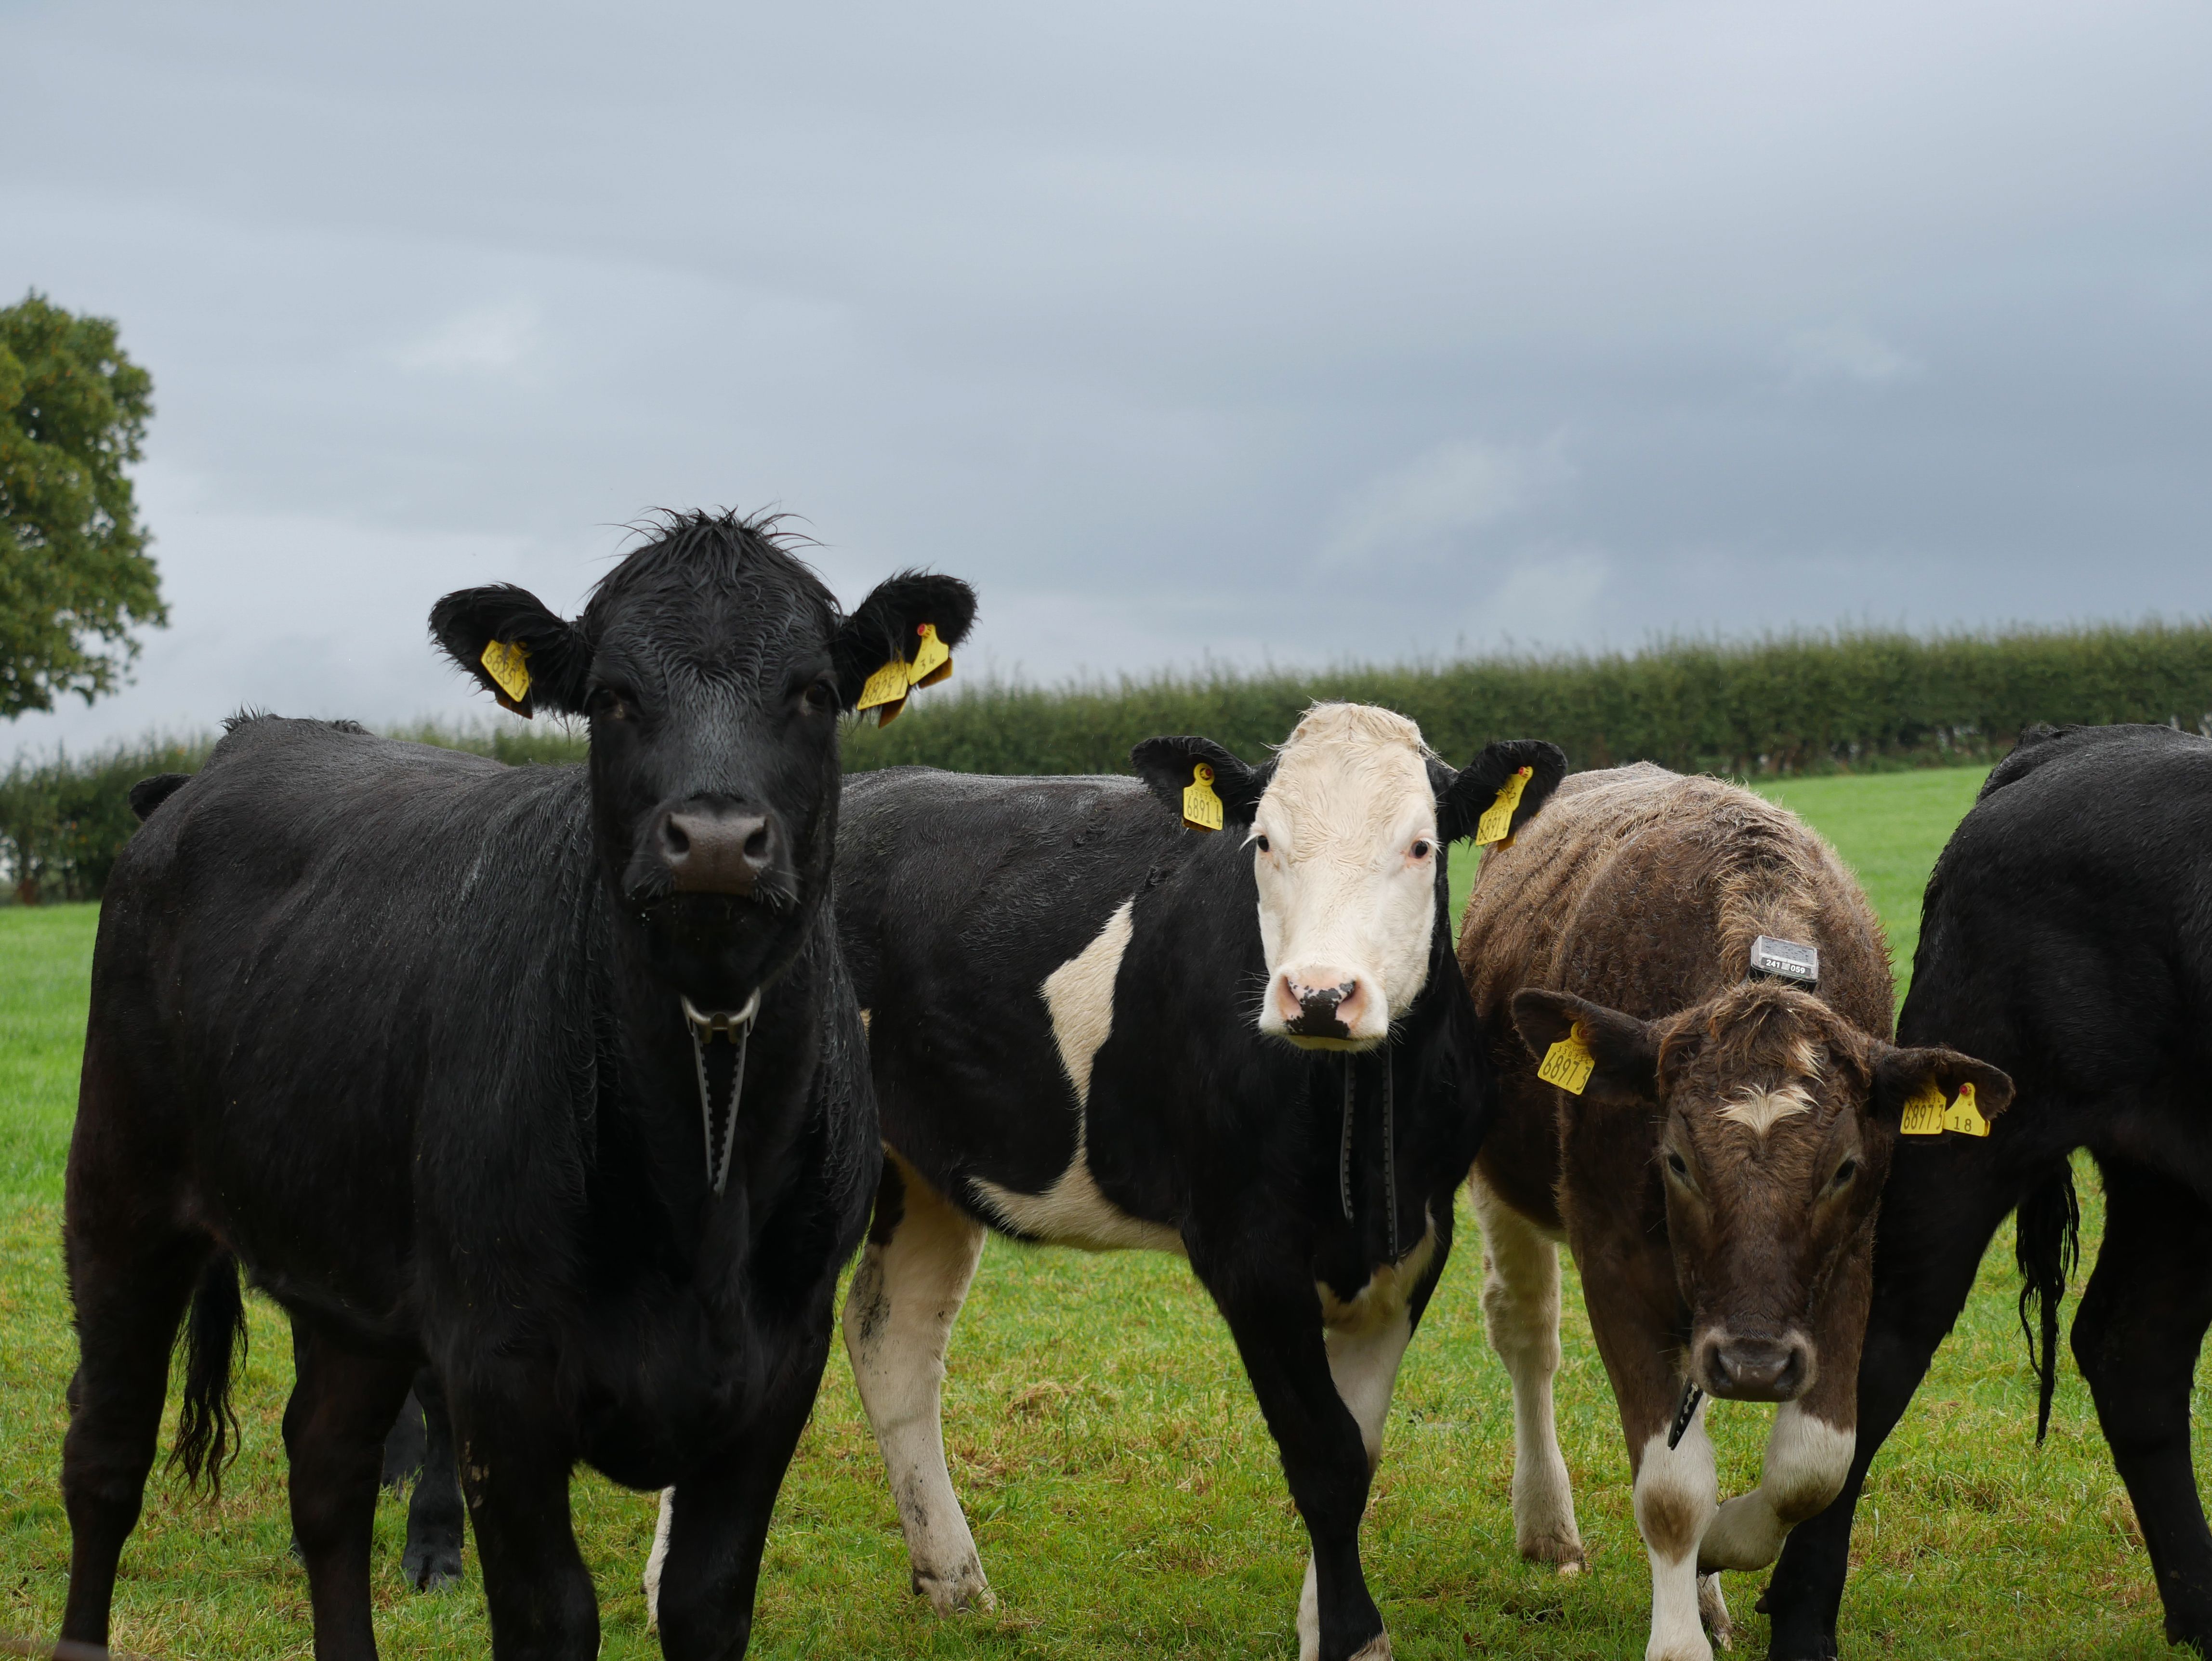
(1122, 1487)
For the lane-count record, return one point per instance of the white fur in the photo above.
(898, 1322)
(1762, 1109)
(1340, 899)
(1366, 1338)
(1806, 1461)
(1521, 1297)
(657, 1558)
(1684, 1475)
(1072, 1212)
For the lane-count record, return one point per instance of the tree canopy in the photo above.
(74, 577)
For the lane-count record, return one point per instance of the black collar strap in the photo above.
(1389, 1147)
(721, 1026)
(1691, 1396)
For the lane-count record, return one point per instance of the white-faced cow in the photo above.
(549, 1076)
(1092, 1026)
(2067, 934)
(1710, 992)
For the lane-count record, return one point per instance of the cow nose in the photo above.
(710, 852)
(1756, 1370)
(1320, 1012)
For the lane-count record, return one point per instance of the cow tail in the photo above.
(2047, 1241)
(214, 1333)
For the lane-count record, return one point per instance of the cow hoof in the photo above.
(1712, 1609)
(962, 1592)
(1377, 1649)
(1564, 1556)
(432, 1567)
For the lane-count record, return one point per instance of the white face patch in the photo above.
(1762, 1109)
(1344, 852)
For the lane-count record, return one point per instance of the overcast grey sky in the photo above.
(1231, 330)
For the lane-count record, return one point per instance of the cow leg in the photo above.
(433, 1558)
(1364, 1354)
(404, 1445)
(1940, 1207)
(1676, 1494)
(1278, 1329)
(921, 1256)
(2136, 1339)
(515, 1466)
(717, 1526)
(342, 1406)
(1808, 1457)
(1521, 1299)
(128, 1302)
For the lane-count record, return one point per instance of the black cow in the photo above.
(2067, 937)
(550, 1077)
(1090, 1024)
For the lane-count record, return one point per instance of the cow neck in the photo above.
(1389, 1143)
(711, 1034)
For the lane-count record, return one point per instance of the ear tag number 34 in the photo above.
(1569, 1062)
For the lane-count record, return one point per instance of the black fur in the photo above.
(398, 1029)
(2067, 938)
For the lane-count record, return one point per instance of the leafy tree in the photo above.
(74, 575)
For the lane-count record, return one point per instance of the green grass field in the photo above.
(1123, 1489)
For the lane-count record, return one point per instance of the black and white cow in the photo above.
(2067, 937)
(452, 1059)
(1094, 1026)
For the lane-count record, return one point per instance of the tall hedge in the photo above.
(1795, 703)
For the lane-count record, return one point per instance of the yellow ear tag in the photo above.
(932, 659)
(509, 666)
(1965, 1115)
(886, 690)
(1924, 1113)
(1497, 821)
(1569, 1062)
(1201, 808)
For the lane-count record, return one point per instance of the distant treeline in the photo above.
(1852, 700)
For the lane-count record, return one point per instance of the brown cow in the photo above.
(1716, 1174)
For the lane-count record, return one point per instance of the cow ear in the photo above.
(885, 629)
(1623, 1051)
(1901, 1075)
(1464, 797)
(1170, 766)
(517, 649)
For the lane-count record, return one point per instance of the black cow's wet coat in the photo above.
(2067, 938)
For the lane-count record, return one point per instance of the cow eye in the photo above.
(1844, 1172)
(822, 695)
(1674, 1164)
(1260, 843)
(608, 704)
(1422, 848)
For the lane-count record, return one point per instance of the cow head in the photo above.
(1775, 1121)
(712, 666)
(1348, 827)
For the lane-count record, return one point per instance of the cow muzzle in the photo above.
(1323, 1005)
(1752, 1368)
(706, 850)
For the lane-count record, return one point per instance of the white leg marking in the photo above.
(1366, 1339)
(1521, 1297)
(1072, 1212)
(658, 1557)
(1806, 1461)
(1675, 1496)
(898, 1322)
(1712, 1609)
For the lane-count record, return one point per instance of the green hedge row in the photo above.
(1807, 702)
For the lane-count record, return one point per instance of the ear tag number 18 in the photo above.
(1569, 1062)
(1201, 808)
(1926, 1114)
(1497, 822)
